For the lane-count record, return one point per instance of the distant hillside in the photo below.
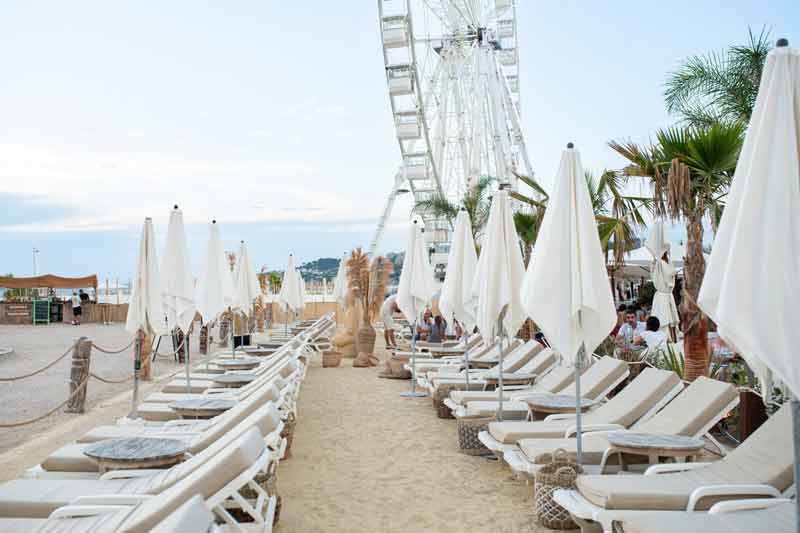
(327, 267)
(324, 267)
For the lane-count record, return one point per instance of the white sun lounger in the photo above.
(761, 466)
(219, 482)
(639, 400)
(692, 413)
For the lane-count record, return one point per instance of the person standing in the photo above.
(388, 309)
(76, 309)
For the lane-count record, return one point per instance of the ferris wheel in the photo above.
(452, 73)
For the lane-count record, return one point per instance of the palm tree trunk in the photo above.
(694, 322)
(526, 332)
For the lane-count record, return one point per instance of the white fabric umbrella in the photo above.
(415, 290)
(340, 283)
(753, 277)
(663, 276)
(292, 294)
(456, 297)
(177, 282)
(498, 278)
(145, 309)
(566, 289)
(499, 272)
(215, 290)
(247, 286)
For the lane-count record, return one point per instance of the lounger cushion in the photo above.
(539, 450)
(37, 498)
(766, 457)
(629, 405)
(205, 481)
(774, 519)
(599, 377)
(511, 410)
(191, 516)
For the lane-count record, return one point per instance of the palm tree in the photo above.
(475, 200)
(718, 87)
(691, 171)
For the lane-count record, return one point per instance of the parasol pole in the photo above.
(186, 358)
(500, 335)
(413, 393)
(582, 350)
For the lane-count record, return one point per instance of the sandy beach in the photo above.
(363, 458)
(366, 459)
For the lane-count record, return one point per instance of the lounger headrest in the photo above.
(191, 516)
(206, 480)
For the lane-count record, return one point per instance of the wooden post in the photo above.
(78, 383)
(147, 352)
(204, 340)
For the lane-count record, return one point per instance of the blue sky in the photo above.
(273, 118)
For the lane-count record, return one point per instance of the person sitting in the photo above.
(424, 327)
(620, 320)
(437, 330)
(630, 329)
(652, 337)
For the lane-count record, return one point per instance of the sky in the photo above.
(272, 117)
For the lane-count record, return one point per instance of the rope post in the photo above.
(145, 355)
(78, 376)
(138, 355)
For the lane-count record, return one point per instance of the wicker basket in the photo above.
(438, 398)
(331, 359)
(468, 429)
(288, 433)
(560, 473)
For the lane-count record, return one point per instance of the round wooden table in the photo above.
(243, 363)
(555, 403)
(232, 380)
(135, 452)
(201, 407)
(654, 446)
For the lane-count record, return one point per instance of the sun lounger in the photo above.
(514, 357)
(639, 400)
(219, 482)
(197, 385)
(197, 434)
(596, 382)
(761, 466)
(37, 498)
(777, 515)
(692, 413)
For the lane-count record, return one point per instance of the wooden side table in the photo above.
(654, 446)
(136, 452)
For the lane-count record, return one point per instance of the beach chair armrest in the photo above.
(126, 474)
(710, 491)
(515, 387)
(592, 428)
(178, 422)
(217, 390)
(670, 468)
(751, 504)
(559, 416)
(111, 499)
(74, 511)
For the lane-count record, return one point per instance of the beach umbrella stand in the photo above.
(413, 393)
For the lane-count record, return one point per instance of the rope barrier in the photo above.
(59, 358)
(113, 352)
(110, 381)
(48, 413)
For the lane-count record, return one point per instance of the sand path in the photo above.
(366, 459)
